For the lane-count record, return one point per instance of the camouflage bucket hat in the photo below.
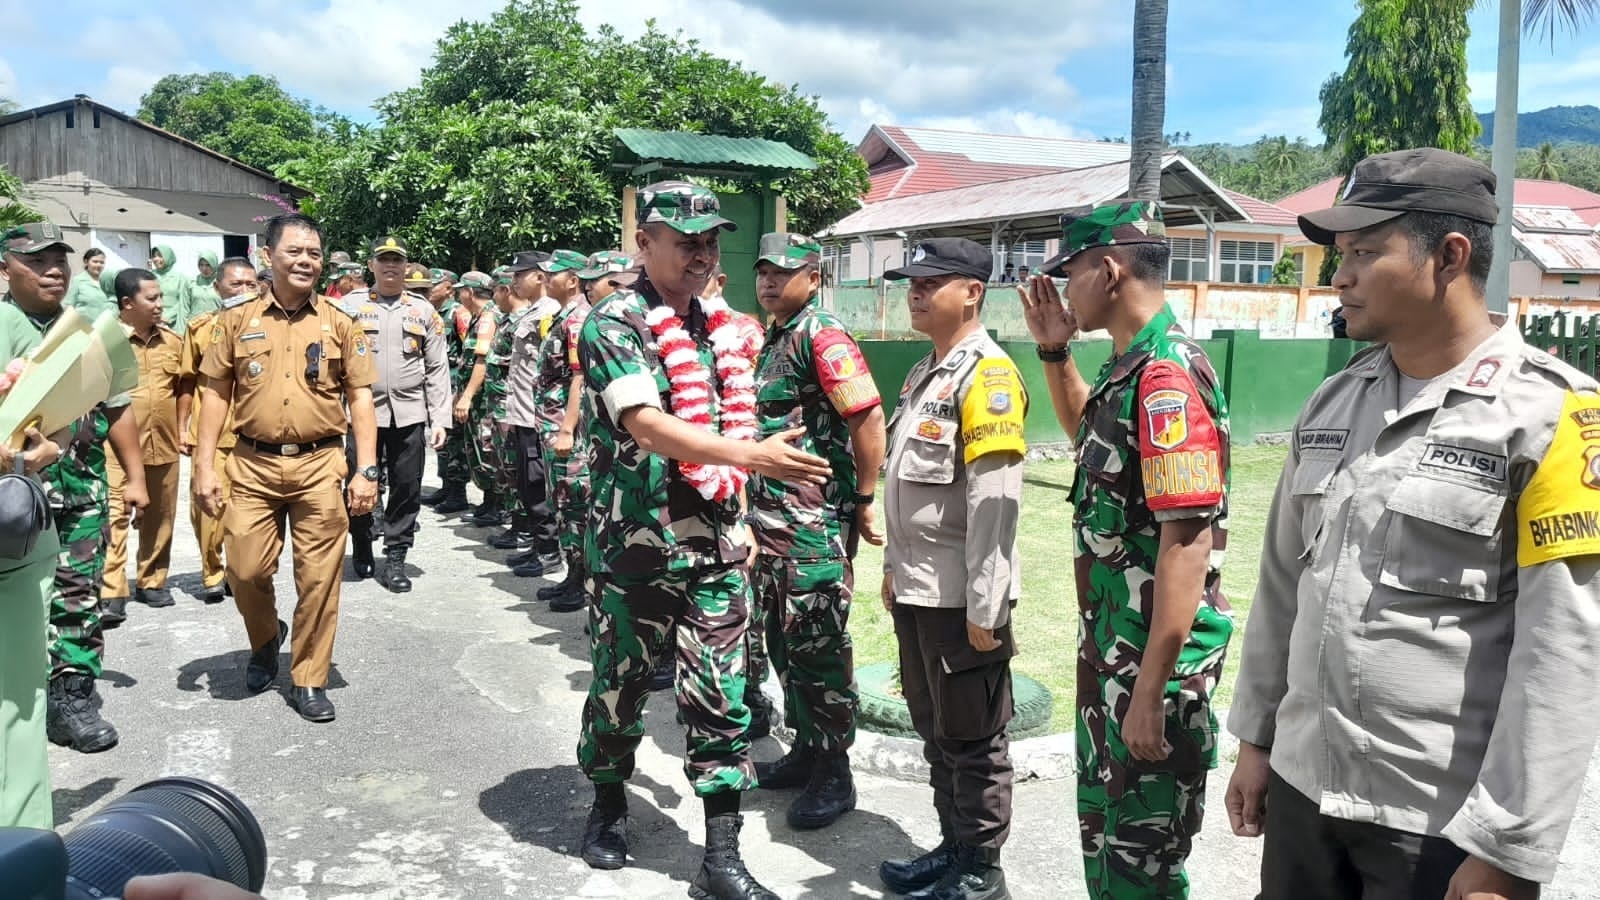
(1107, 225)
(686, 207)
(33, 238)
(606, 262)
(439, 276)
(477, 280)
(564, 261)
(789, 251)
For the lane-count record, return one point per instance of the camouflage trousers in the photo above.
(805, 607)
(568, 490)
(77, 643)
(631, 623)
(455, 458)
(489, 470)
(1138, 819)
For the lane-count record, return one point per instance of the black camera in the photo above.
(166, 825)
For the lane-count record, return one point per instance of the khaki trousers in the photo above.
(306, 493)
(155, 529)
(208, 531)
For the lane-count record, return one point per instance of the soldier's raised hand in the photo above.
(775, 458)
(1049, 319)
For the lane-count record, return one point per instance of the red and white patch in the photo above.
(1484, 373)
(841, 362)
(1182, 460)
(930, 430)
(1166, 418)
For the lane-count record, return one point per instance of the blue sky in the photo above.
(1236, 70)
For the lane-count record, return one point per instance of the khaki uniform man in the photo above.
(155, 402)
(952, 488)
(289, 363)
(235, 277)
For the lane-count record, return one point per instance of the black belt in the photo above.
(293, 449)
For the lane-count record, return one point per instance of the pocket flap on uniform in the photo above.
(1313, 475)
(1463, 507)
(958, 656)
(930, 460)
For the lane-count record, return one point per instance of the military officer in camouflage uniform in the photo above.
(79, 493)
(455, 464)
(952, 488)
(471, 408)
(662, 556)
(412, 400)
(523, 285)
(1150, 493)
(812, 373)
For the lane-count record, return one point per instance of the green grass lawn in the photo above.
(1045, 621)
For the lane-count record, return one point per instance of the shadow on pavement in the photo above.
(67, 802)
(223, 675)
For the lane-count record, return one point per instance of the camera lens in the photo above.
(166, 825)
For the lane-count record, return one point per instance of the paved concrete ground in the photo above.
(450, 771)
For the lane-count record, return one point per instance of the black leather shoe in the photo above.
(829, 794)
(113, 612)
(155, 598)
(263, 667)
(362, 557)
(312, 704)
(605, 835)
(394, 575)
(511, 540)
(571, 600)
(791, 770)
(214, 594)
(437, 497)
(973, 875)
(487, 517)
(534, 569)
(456, 502)
(903, 876)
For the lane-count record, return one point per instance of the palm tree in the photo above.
(1550, 16)
(1278, 156)
(1149, 98)
(1545, 167)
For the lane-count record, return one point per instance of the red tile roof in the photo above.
(1529, 192)
(969, 158)
(1260, 211)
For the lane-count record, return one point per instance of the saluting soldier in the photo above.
(666, 544)
(455, 465)
(812, 374)
(411, 398)
(289, 363)
(155, 401)
(235, 277)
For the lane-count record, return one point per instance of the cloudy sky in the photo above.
(1237, 69)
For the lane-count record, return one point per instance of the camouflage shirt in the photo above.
(456, 322)
(1153, 447)
(558, 360)
(497, 365)
(646, 518)
(810, 373)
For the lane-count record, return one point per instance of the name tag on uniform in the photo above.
(1321, 438)
(1465, 460)
(253, 336)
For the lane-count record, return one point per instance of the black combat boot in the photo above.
(455, 500)
(394, 571)
(974, 875)
(605, 836)
(574, 596)
(722, 873)
(902, 876)
(549, 593)
(437, 497)
(71, 719)
(791, 770)
(361, 555)
(829, 793)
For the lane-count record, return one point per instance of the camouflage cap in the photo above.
(686, 207)
(606, 262)
(338, 257)
(564, 261)
(502, 275)
(33, 238)
(1107, 225)
(789, 251)
(439, 276)
(477, 280)
(389, 244)
(349, 268)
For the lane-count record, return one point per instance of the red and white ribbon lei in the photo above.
(691, 388)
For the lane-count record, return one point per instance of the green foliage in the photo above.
(1283, 271)
(1405, 84)
(1575, 164)
(13, 209)
(251, 119)
(1556, 125)
(1269, 169)
(507, 141)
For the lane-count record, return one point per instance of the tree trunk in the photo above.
(1149, 98)
(1498, 291)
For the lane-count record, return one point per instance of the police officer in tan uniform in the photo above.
(411, 398)
(236, 277)
(289, 363)
(155, 402)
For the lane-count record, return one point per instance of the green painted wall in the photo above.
(1266, 381)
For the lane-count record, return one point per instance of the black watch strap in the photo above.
(1054, 356)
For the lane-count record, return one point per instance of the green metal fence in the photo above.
(1574, 339)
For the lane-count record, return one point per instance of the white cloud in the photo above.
(1543, 82)
(8, 82)
(143, 38)
(125, 85)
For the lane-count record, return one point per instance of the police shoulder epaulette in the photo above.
(1562, 372)
(347, 308)
(240, 300)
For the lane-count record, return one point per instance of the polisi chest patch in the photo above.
(1465, 461)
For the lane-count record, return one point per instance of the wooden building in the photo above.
(125, 186)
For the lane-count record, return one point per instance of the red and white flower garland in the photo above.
(691, 388)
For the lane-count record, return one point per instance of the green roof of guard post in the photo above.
(707, 152)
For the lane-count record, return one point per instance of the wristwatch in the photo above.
(370, 473)
(1060, 354)
(863, 499)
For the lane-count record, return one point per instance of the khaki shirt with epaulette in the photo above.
(155, 400)
(1424, 644)
(406, 337)
(291, 372)
(196, 341)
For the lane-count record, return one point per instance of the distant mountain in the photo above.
(1574, 124)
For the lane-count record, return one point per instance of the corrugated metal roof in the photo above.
(1561, 252)
(1017, 150)
(1549, 218)
(693, 149)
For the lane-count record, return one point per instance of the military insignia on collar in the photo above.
(1484, 373)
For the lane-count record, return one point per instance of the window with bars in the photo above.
(1247, 262)
(836, 263)
(1190, 261)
